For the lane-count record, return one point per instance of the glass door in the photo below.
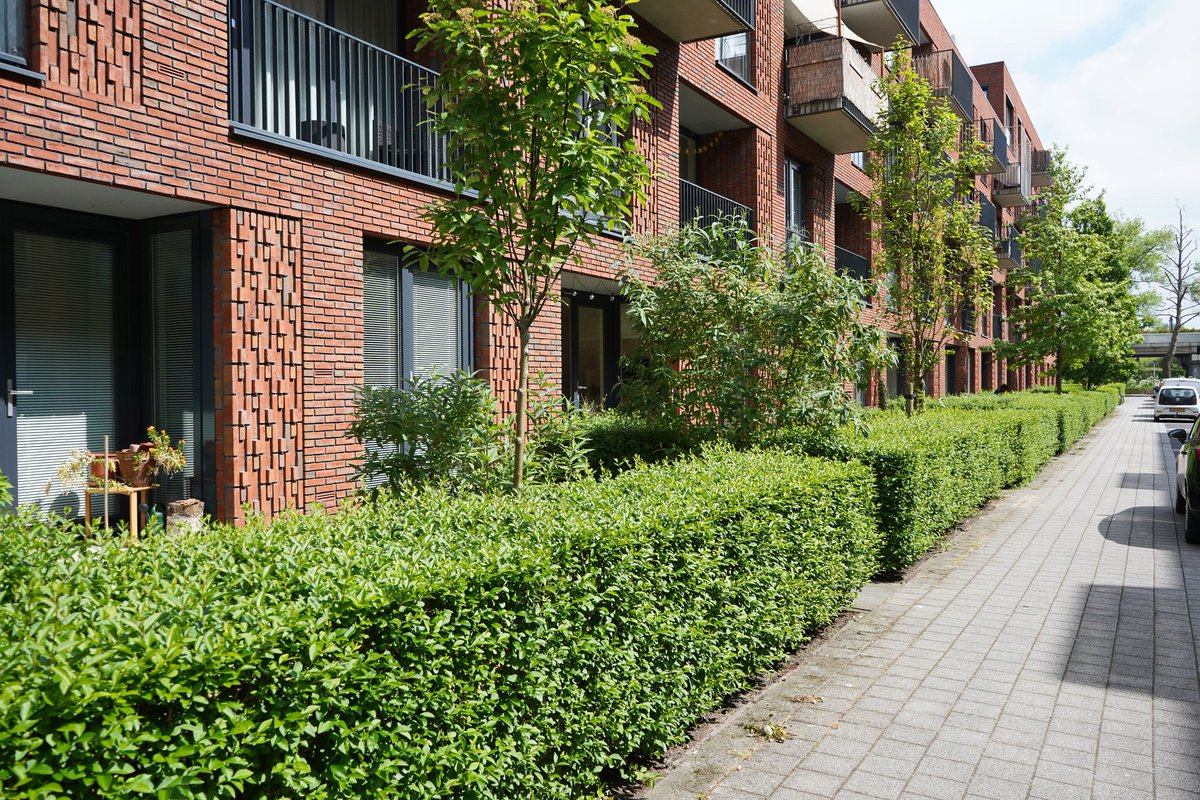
(596, 334)
(59, 368)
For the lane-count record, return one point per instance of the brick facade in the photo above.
(136, 95)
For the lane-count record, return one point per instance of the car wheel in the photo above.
(1180, 503)
(1191, 528)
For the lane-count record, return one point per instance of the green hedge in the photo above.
(420, 647)
(1077, 410)
(931, 471)
(617, 441)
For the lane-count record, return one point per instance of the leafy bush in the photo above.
(617, 441)
(421, 646)
(438, 429)
(1077, 410)
(739, 338)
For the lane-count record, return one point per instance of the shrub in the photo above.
(1077, 410)
(438, 429)
(931, 471)
(616, 442)
(420, 646)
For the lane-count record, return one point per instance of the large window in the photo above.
(414, 322)
(733, 53)
(794, 210)
(13, 36)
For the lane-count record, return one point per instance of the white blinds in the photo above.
(174, 352)
(436, 324)
(381, 319)
(64, 346)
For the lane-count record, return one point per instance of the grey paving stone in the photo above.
(1048, 652)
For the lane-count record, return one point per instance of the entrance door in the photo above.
(59, 364)
(596, 333)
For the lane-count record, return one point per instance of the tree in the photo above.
(1081, 310)
(536, 97)
(1175, 277)
(933, 255)
(739, 338)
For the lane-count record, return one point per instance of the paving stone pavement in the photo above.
(1049, 652)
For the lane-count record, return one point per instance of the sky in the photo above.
(1115, 81)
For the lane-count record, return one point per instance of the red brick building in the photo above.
(196, 202)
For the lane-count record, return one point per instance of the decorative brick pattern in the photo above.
(259, 337)
(93, 47)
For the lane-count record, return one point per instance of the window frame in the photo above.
(795, 172)
(747, 57)
(406, 267)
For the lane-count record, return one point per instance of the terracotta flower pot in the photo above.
(127, 467)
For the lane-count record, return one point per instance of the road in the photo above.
(1050, 651)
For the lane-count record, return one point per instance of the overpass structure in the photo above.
(1187, 351)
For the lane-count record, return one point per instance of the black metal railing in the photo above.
(699, 206)
(851, 263)
(999, 143)
(742, 9)
(296, 78)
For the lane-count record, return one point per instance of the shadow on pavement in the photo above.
(1135, 527)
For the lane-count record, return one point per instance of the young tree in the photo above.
(1080, 306)
(1175, 277)
(934, 256)
(536, 98)
(740, 338)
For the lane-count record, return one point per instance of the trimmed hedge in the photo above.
(1077, 410)
(931, 472)
(617, 442)
(419, 647)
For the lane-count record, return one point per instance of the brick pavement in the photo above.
(1049, 652)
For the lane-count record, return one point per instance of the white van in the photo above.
(1177, 400)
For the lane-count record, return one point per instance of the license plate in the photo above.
(1178, 410)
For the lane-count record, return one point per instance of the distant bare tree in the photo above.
(1176, 278)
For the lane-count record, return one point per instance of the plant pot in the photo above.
(97, 470)
(130, 473)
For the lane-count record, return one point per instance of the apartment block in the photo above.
(203, 208)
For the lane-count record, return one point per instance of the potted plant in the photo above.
(85, 467)
(139, 463)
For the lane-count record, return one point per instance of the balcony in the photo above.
(1040, 175)
(829, 94)
(1008, 254)
(949, 77)
(998, 141)
(881, 21)
(304, 84)
(693, 20)
(847, 262)
(1015, 187)
(701, 207)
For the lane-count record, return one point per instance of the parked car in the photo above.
(1193, 382)
(1187, 480)
(1176, 401)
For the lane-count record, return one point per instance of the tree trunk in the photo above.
(522, 416)
(1058, 371)
(1169, 359)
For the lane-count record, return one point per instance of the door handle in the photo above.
(13, 394)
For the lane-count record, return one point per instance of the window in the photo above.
(12, 31)
(414, 322)
(859, 160)
(733, 53)
(794, 209)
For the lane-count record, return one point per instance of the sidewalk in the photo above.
(1049, 652)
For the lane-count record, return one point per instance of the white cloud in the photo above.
(1125, 100)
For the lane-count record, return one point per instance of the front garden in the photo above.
(433, 642)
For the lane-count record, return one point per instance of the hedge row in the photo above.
(421, 647)
(1077, 410)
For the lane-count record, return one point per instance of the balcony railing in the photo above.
(949, 77)
(881, 21)
(699, 206)
(829, 94)
(1040, 175)
(1009, 254)
(1015, 186)
(850, 263)
(302, 81)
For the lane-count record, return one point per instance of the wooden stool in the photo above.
(134, 493)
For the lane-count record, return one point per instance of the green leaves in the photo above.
(738, 339)
(423, 645)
